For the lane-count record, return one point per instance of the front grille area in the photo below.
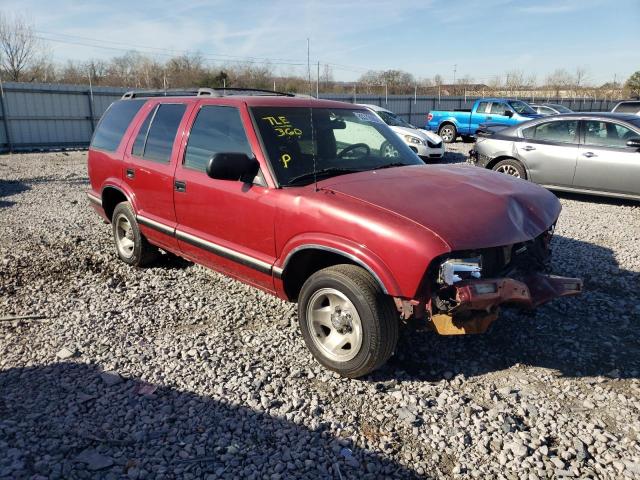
(434, 145)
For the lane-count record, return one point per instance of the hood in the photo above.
(467, 207)
(417, 132)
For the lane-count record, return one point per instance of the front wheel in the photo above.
(347, 322)
(511, 167)
(448, 133)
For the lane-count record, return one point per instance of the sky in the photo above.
(424, 37)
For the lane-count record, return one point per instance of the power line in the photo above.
(129, 46)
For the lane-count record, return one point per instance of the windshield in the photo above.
(393, 120)
(521, 107)
(335, 141)
(562, 108)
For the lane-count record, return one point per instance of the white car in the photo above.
(427, 145)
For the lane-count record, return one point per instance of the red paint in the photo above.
(394, 221)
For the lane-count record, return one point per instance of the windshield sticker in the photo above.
(285, 159)
(283, 127)
(367, 117)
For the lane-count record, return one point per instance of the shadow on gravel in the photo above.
(169, 261)
(9, 188)
(592, 335)
(65, 421)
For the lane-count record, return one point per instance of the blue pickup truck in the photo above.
(485, 110)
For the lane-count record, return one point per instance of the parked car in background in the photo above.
(629, 106)
(550, 108)
(427, 145)
(596, 153)
(450, 124)
(296, 197)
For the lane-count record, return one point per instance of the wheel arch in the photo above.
(304, 260)
(111, 196)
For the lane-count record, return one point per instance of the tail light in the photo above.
(429, 116)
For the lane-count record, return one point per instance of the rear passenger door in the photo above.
(226, 225)
(549, 151)
(148, 169)
(605, 162)
(479, 116)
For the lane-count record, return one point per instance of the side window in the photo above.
(497, 108)
(606, 134)
(561, 131)
(162, 132)
(138, 145)
(216, 129)
(545, 110)
(482, 107)
(114, 123)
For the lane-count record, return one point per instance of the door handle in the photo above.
(528, 148)
(489, 118)
(589, 154)
(180, 186)
(130, 173)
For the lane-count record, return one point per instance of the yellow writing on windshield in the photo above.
(282, 126)
(285, 158)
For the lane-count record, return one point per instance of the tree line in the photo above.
(24, 58)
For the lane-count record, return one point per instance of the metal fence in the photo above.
(44, 116)
(48, 116)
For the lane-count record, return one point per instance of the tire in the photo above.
(448, 132)
(131, 246)
(350, 305)
(511, 167)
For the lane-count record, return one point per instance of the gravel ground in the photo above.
(178, 372)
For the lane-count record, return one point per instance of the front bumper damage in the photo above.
(474, 304)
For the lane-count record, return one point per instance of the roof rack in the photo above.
(202, 92)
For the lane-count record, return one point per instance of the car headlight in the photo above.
(455, 270)
(412, 139)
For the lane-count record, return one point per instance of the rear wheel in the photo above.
(448, 133)
(348, 323)
(511, 167)
(132, 247)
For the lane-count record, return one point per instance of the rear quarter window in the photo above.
(114, 124)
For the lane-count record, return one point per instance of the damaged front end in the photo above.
(468, 288)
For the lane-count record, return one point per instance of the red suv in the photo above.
(320, 203)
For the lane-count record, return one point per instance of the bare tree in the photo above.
(559, 80)
(19, 46)
(580, 78)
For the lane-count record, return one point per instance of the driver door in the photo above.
(226, 225)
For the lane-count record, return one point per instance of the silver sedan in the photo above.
(596, 153)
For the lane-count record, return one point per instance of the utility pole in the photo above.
(455, 67)
(308, 68)
(318, 82)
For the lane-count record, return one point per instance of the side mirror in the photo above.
(233, 166)
(508, 113)
(634, 143)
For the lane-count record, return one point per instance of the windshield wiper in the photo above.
(322, 173)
